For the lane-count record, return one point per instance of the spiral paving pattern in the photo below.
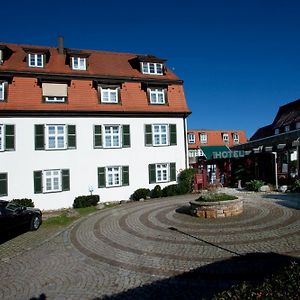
(153, 250)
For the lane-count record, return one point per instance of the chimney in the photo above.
(60, 42)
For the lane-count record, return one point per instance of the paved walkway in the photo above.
(152, 249)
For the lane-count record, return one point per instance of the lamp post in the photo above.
(276, 177)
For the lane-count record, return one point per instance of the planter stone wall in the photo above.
(218, 209)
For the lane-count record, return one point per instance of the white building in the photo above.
(75, 122)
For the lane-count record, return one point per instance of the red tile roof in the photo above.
(25, 93)
(214, 138)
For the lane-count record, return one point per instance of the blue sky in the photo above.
(240, 60)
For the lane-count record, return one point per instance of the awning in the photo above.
(55, 89)
(208, 150)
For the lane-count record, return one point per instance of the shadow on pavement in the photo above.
(286, 200)
(6, 236)
(206, 281)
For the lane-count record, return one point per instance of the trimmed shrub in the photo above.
(170, 190)
(254, 185)
(140, 193)
(211, 197)
(86, 201)
(296, 186)
(186, 180)
(156, 192)
(24, 202)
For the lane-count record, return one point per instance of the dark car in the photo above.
(14, 216)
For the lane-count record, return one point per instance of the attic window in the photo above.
(5, 53)
(78, 63)
(36, 60)
(152, 68)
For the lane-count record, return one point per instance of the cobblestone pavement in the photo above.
(153, 249)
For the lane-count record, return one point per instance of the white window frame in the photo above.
(152, 68)
(191, 138)
(110, 91)
(2, 137)
(203, 138)
(113, 176)
(162, 172)
(298, 125)
(111, 135)
(226, 138)
(236, 138)
(78, 63)
(287, 128)
(160, 134)
(276, 131)
(55, 178)
(56, 136)
(34, 57)
(2, 91)
(55, 99)
(158, 95)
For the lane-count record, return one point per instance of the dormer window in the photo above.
(5, 53)
(157, 95)
(3, 86)
(191, 138)
(152, 68)
(276, 131)
(36, 60)
(235, 138)
(55, 92)
(225, 138)
(203, 138)
(109, 94)
(287, 128)
(78, 63)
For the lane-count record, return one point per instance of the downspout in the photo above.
(185, 142)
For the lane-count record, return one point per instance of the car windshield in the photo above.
(12, 206)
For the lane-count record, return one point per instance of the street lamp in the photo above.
(276, 177)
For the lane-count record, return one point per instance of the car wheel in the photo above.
(35, 223)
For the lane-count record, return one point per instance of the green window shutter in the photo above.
(173, 134)
(126, 136)
(65, 179)
(152, 173)
(3, 184)
(101, 177)
(37, 179)
(39, 137)
(125, 175)
(148, 135)
(97, 136)
(9, 137)
(71, 136)
(172, 171)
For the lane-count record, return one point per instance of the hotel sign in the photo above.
(228, 154)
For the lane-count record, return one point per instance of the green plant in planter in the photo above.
(254, 185)
(214, 197)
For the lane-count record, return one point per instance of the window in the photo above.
(191, 138)
(225, 138)
(3, 184)
(152, 68)
(113, 176)
(55, 137)
(49, 181)
(36, 60)
(157, 95)
(55, 92)
(277, 131)
(3, 86)
(109, 95)
(236, 138)
(78, 63)
(286, 128)
(203, 138)
(111, 136)
(160, 134)
(298, 125)
(162, 172)
(7, 137)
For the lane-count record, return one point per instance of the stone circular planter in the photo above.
(218, 209)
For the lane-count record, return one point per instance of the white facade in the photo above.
(83, 161)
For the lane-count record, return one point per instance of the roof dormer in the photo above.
(5, 53)
(151, 65)
(78, 60)
(37, 57)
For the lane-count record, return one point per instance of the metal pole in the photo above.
(276, 177)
